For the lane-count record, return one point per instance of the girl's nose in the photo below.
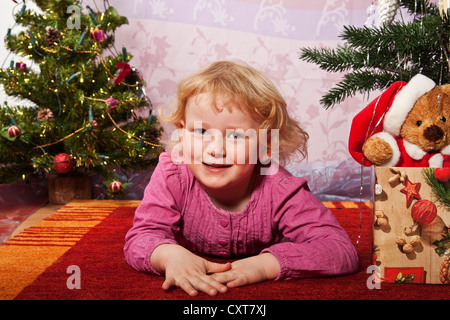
(216, 147)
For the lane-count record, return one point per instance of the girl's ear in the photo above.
(177, 149)
(181, 126)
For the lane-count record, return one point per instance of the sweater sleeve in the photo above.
(157, 218)
(313, 244)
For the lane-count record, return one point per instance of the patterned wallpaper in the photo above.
(172, 38)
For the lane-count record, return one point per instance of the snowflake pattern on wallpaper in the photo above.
(334, 16)
(160, 8)
(276, 14)
(216, 8)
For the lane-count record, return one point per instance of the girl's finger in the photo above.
(168, 283)
(202, 284)
(214, 283)
(235, 283)
(213, 267)
(187, 287)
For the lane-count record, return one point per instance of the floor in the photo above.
(36, 217)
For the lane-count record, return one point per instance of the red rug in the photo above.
(105, 275)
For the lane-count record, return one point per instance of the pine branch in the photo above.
(77, 85)
(340, 59)
(375, 57)
(15, 172)
(420, 7)
(358, 81)
(440, 191)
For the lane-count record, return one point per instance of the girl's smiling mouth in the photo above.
(216, 166)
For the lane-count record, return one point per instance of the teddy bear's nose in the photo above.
(433, 133)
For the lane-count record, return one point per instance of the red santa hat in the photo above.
(385, 115)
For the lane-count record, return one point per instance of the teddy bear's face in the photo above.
(428, 123)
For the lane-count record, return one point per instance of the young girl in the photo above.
(218, 201)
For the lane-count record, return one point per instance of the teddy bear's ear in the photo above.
(439, 93)
(445, 89)
(405, 101)
(429, 99)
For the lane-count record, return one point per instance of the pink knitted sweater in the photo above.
(282, 217)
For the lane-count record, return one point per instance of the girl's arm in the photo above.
(156, 220)
(151, 246)
(250, 270)
(312, 244)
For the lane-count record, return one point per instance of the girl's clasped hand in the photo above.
(192, 273)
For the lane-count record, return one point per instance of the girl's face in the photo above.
(219, 146)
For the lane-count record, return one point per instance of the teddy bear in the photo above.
(408, 125)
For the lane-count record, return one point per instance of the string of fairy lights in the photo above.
(97, 35)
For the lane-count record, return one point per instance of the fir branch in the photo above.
(362, 81)
(72, 71)
(442, 245)
(389, 53)
(440, 191)
(332, 60)
(420, 7)
(10, 173)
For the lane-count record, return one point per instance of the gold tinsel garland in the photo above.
(109, 115)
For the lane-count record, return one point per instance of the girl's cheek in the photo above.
(195, 149)
(187, 147)
(242, 152)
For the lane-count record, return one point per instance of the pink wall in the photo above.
(171, 38)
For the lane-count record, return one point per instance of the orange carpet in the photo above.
(36, 264)
(24, 257)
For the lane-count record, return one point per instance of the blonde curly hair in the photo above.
(243, 86)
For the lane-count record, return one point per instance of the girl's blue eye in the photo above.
(236, 135)
(200, 131)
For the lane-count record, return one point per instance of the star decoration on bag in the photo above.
(411, 190)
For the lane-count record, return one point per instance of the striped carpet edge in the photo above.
(27, 255)
(349, 205)
(37, 247)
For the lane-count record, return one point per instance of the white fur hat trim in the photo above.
(404, 102)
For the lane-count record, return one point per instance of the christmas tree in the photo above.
(89, 107)
(373, 57)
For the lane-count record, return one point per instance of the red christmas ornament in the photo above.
(126, 69)
(411, 191)
(63, 163)
(442, 174)
(13, 131)
(115, 186)
(423, 212)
